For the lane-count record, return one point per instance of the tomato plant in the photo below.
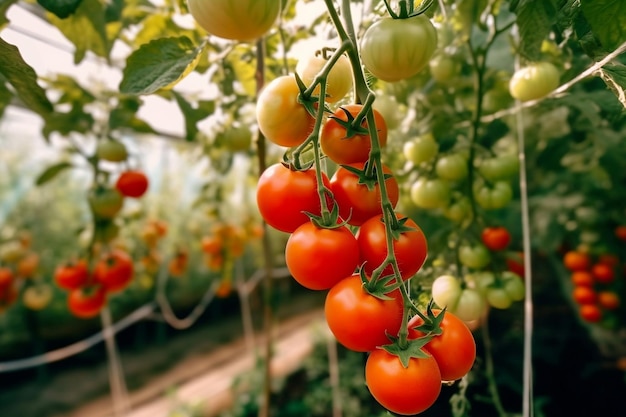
(132, 183)
(339, 81)
(466, 303)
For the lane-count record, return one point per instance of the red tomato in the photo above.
(72, 275)
(515, 263)
(114, 271)
(284, 196)
(584, 295)
(576, 260)
(6, 278)
(496, 238)
(86, 302)
(318, 258)
(454, 349)
(404, 391)
(608, 300)
(132, 184)
(359, 320)
(342, 149)
(410, 248)
(360, 201)
(603, 273)
(620, 232)
(590, 313)
(582, 278)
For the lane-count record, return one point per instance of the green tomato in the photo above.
(452, 167)
(497, 297)
(339, 81)
(389, 108)
(474, 256)
(459, 210)
(470, 306)
(430, 193)
(499, 167)
(493, 197)
(443, 68)
(466, 303)
(396, 49)
(421, 149)
(513, 285)
(235, 138)
(105, 202)
(534, 81)
(111, 150)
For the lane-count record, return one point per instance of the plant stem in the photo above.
(489, 370)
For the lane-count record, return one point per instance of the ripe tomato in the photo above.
(281, 118)
(283, 196)
(493, 197)
(360, 201)
(359, 320)
(609, 259)
(515, 263)
(496, 238)
(576, 260)
(114, 270)
(620, 232)
(410, 248)
(468, 304)
(339, 81)
(608, 299)
(105, 202)
(404, 391)
(71, 275)
(474, 256)
(452, 167)
(27, 265)
(37, 297)
(534, 81)
(356, 148)
(430, 193)
(582, 278)
(590, 313)
(132, 183)
(421, 149)
(396, 49)
(603, 273)
(111, 150)
(6, 278)
(584, 295)
(86, 302)
(454, 349)
(242, 20)
(318, 258)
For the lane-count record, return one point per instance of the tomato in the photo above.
(114, 270)
(410, 248)
(281, 118)
(423, 148)
(342, 149)
(452, 167)
(513, 285)
(620, 232)
(584, 295)
(496, 238)
(454, 349)
(497, 297)
(534, 81)
(37, 297)
(609, 259)
(466, 303)
(212, 245)
(132, 183)
(242, 20)
(105, 202)
(318, 258)
(576, 260)
(359, 201)
(396, 49)
(224, 289)
(27, 266)
(111, 150)
(235, 138)
(499, 167)
(404, 391)
(475, 256)
(515, 263)
(284, 196)
(339, 81)
(493, 197)
(608, 299)
(459, 210)
(359, 320)
(71, 275)
(582, 278)
(6, 279)
(603, 273)
(430, 193)
(590, 313)
(388, 107)
(443, 68)
(87, 302)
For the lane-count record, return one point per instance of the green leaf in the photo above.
(242, 62)
(607, 19)
(51, 172)
(61, 8)
(413, 349)
(158, 64)
(534, 20)
(23, 79)
(615, 78)
(125, 116)
(86, 29)
(193, 115)
(76, 120)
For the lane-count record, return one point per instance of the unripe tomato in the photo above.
(474, 256)
(241, 20)
(389, 108)
(459, 210)
(37, 297)
(105, 202)
(452, 167)
(111, 150)
(281, 118)
(339, 81)
(499, 167)
(132, 183)
(443, 68)
(235, 138)
(466, 303)
(493, 197)
(421, 149)
(513, 285)
(430, 193)
(396, 49)
(534, 81)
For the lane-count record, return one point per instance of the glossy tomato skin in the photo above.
(318, 258)
(357, 203)
(359, 320)
(132, 183)
(454, 349)
(496, 238)
(281, 118)
(410, 249)
(87, 302)
(339, 81)
(396, 49)
(242, 20)
(72, 275)
(534, 81)
(115, 270)
(404, 391)
(350, 150)
(284, 196)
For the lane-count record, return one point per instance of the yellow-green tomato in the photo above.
(430, 193)
(389, 108)
(421, 149)
(443, 68)
(105, 202)
(534, 81)
(111, 150)
(452, 167)
(339, 81)
(466, 303)
(459, 210)
(235, 138)
(397, 49)
(241, 20)
(493, 196)
(37, 297)
(474, 256)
